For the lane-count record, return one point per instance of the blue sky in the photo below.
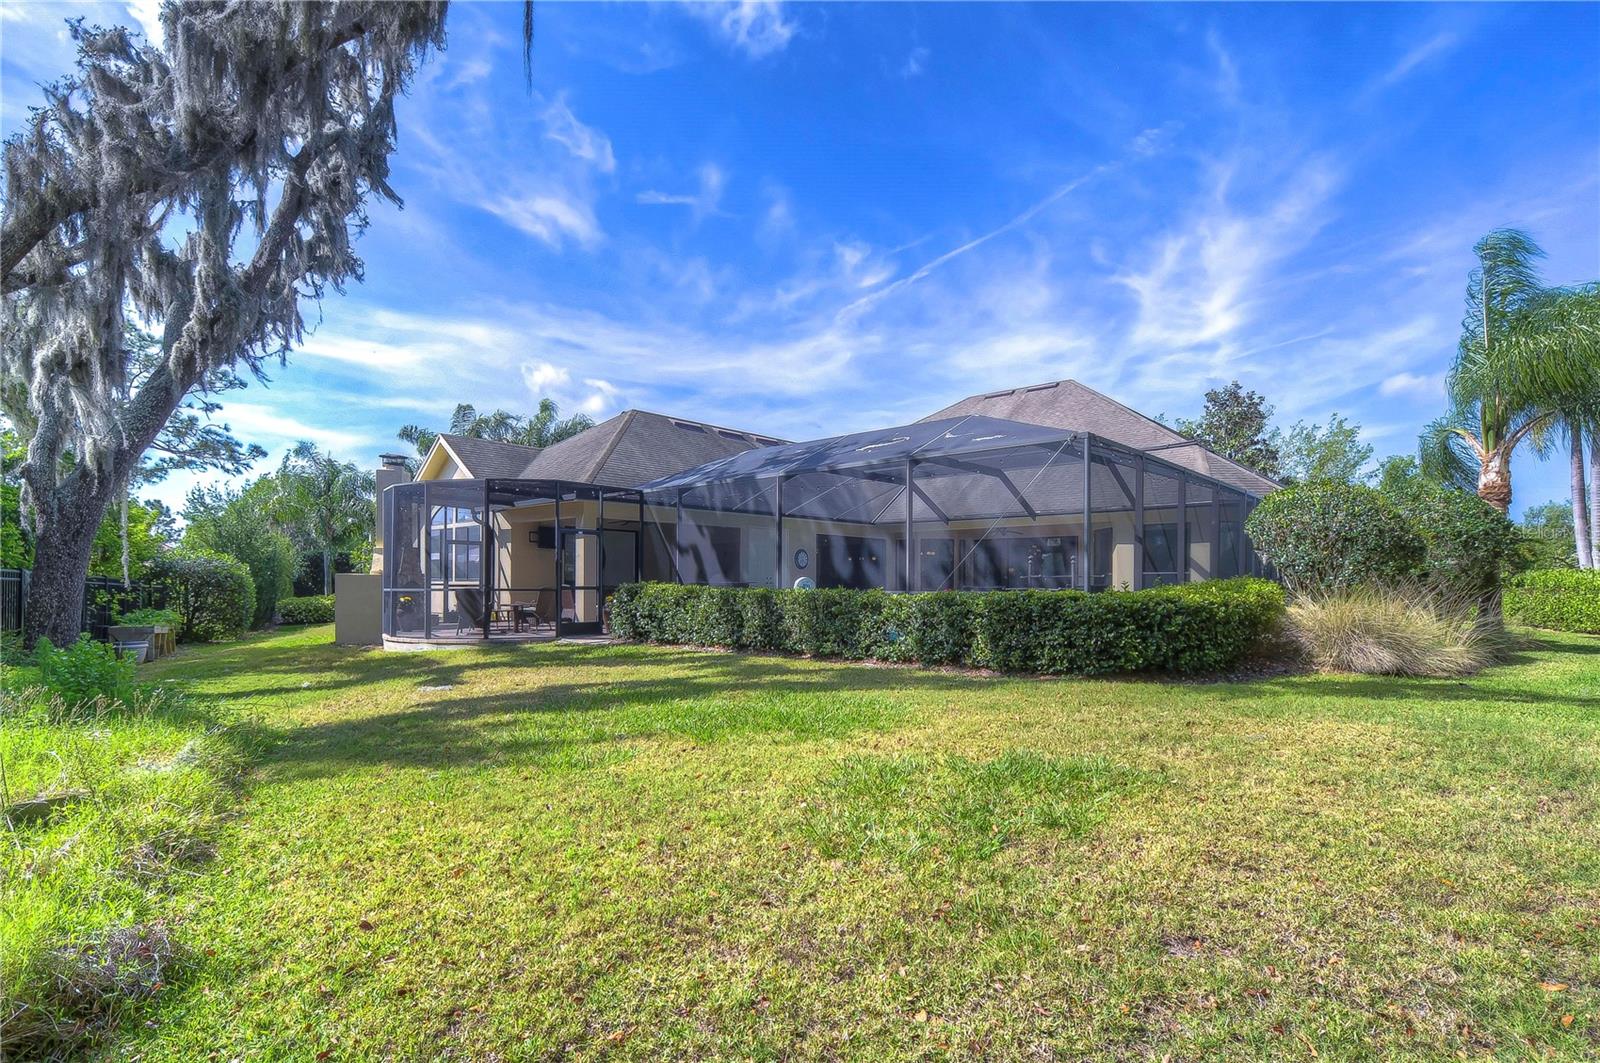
(811, 219)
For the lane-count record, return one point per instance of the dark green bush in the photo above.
(84, 671)
(1199, 627)
(1468, 544)
(314, 609)
(1563, 599)
(1326, 536)
(212, 592)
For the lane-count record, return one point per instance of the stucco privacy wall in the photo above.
(357, 608)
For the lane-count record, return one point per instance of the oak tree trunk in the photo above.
(63, 540)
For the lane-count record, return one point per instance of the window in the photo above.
(455, 545)
(851, 561)
(1161, 553)
(710, 554)
(936, 559)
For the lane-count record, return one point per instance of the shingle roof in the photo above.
(487, 459)
(627, 450)
(1069, 404)
(637, 446)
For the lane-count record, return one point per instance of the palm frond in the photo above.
(1444, 453)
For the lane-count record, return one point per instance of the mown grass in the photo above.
(630, 852)
(139, 791)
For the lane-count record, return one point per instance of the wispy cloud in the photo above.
(701, 203)
(552, 216)
(1226, 81)
(586, 143)
(550, 197)
(757, 28)
(915, 62)
(1428, 386)
(1202, 280)
(1432, 48)
(269, 427)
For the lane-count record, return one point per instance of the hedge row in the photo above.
(1192, 628)
(1564, 599)
(312, 609)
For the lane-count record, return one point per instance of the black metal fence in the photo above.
(103, 598)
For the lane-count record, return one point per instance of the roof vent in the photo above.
(1000, 394)
(728, 433)
(1043, 387)
(690, 426)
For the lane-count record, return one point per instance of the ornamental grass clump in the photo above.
(1392, 631)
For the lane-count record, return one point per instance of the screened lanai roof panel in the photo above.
(950, 437)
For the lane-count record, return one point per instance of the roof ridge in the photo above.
(490, 442)
(611, 445)
(709, 424)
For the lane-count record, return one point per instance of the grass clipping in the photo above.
(1392, 631)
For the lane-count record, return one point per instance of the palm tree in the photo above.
(547, 427)
(1526, 353)
(324, 501)
(544, 428)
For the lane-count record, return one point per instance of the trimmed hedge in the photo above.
(212, 592)
(1328, 536)
(1190, 628)
(1563, 599)
(312, 609)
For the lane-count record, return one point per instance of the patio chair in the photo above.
(470, 607)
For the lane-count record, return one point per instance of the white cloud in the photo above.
(147, 13)
(1203, 281)
(550, 216)
(363, 352)
(757, 28)
(778, 219)
(1434, 46)
(1227, 77)
(701, 203)
(268, 426)
(602, 395)
(916, 62)
(585, 142)
(542, 376)
(1429, 386)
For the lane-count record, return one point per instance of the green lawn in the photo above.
(627, 852)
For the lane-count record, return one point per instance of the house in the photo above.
(1051, 486)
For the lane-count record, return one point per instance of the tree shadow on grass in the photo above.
(702, 697)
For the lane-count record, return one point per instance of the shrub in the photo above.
(1391, 631)
(1562, 599)
(1326, 536)
(213, 593)
(1200, 627)
(1467, 543)
(316, 609)
(84, 671)
(239, 525)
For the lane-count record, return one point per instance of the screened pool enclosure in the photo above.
(967, 503)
